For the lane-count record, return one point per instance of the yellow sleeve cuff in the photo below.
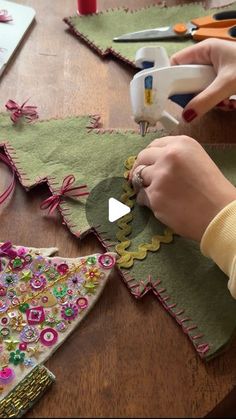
(219, 243)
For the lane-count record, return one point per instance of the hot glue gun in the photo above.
(158, 81)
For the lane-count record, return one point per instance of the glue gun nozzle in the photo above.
(143, 127)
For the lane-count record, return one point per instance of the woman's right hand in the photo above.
(222, 55)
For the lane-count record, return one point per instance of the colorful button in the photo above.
(35, 315)
(106, 261)
(23, 346)
(61, 326)
(38, 283)
(4, 320)
(17, 263)
(3, 291)
(4, 304)
(24, 307)
(10, 280)
(48, 337)
(29, 334)
(69, 311)
(63, 268)
(60, 290)
(17, 357)
(91, 260)
(48, 300)
(6, 375)
(5, 332)
(82, 303)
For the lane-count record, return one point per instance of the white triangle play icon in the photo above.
(116, 210)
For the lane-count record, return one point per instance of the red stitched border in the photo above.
(137, 289)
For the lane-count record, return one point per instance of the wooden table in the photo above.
(128, 358)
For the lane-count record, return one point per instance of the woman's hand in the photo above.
(182, 185)
(222, 55)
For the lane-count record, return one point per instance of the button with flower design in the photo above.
(17, 263)
(106, 261)
(51, 273)
(60, 290)
(17, 357)
(69, 311)
(93, 274)
(17, 323)
(38, 282)
(82, 302)
(29, 362)
(91, 260)
(48, 336)
(6, 375)
(10, 280)
(75, 281)
(29, 334)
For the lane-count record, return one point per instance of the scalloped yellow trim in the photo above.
(127, 258)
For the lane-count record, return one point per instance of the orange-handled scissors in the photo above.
(220, 25)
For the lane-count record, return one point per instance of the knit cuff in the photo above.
(219, 243)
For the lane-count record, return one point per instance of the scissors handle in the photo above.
(218, 20)
(222, 33)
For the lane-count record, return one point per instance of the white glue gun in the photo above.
(158, 81)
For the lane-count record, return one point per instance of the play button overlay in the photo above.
(116, 210)
(106, 205)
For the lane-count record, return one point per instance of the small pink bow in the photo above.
(4, 16)
(12, 184)
(6, 250)
(53, 201)
(17, 111)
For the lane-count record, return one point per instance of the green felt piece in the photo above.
(192, 288)
(98, 30)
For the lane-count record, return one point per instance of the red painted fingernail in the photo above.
(189, 115)
(222, 103)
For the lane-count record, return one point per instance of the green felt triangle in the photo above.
(98, 30)
(190, 287)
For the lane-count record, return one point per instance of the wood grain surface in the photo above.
(128, 358)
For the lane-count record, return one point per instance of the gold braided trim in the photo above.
(127, 258)
(19, 400)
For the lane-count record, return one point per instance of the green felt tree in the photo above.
(98, 30)
(190, 287)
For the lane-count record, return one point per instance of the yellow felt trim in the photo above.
(127, 257)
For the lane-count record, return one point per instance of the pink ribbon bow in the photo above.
(53, 201)
(4, 16)
(17, 111)
(12, 184)
(6, 250)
